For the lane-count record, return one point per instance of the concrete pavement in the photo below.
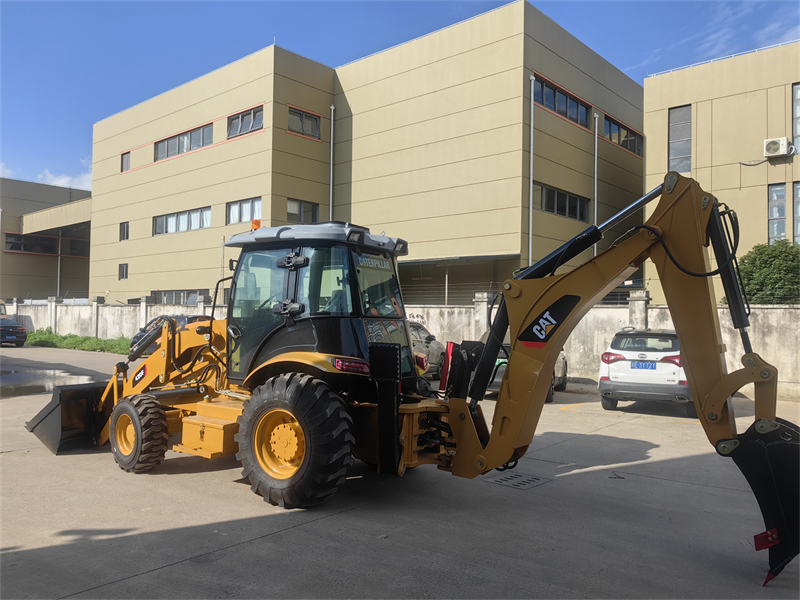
(626, 504)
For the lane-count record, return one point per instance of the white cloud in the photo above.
(780, 30)
(81, 182)
(5, 171)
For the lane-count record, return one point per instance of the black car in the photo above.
(180, 321)
(12, 332)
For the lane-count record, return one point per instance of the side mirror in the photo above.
(430, 338)
(232, 264)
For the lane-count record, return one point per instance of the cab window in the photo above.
(379, 291)
(324, 285)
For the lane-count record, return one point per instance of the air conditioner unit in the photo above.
(776, 147)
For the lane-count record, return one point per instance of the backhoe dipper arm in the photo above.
(542, 311)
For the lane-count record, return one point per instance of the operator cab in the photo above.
(326, 288)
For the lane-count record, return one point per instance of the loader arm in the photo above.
(542, 309)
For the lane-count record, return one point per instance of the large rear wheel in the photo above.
(139, 433)
(295, 441)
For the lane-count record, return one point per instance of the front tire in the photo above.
(551, 392)
(295, 441)
(690, 410)
(139, 433)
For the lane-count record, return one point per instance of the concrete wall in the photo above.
(587, 342)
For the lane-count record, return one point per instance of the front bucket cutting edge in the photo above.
(770, 461)
(70, 420)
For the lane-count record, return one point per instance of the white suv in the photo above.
(644, 365)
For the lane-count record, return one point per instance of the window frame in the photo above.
(303, 205)
(255, 123)
(549, 95)
(124, 231)
(303, 114)
(777, 203)
(163, 223)
(122, 271)
(796, 116)
(613, 131)
(125, 162)
(171, 146)
(254, 202)
(672, 142)
(562, 203)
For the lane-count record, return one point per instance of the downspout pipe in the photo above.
(330, 199)
(530, 186)
(596, 117)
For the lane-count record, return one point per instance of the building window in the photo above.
(777, 212)
(245, 122)
(563, 203)
(188, 220)
(185, 142)
(123, 270)
(680, 139)
(126, 162)
(304, 123)
(31, 244)
(796, 212)
(124, 231)
(556, 99)
(623, 136)
(184, 297)
(243, 211)
(796, 117)
(298, 211)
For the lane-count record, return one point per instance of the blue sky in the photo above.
(66, 65)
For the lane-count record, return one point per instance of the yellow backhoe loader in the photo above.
(312, 367)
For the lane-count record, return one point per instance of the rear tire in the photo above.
(550, 393)
(563, 385)
(19, 344)
(139, 433)
(608, 403)
(691, 410)
(295, 441)
(439, 368)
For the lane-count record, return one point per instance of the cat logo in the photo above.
(541, 329)
(139, 375)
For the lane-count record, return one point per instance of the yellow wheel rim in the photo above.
(279, 444)
(125, 434)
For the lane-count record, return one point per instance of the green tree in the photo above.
(771, 274)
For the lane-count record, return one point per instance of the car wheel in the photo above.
(439, 367)
(562, 384)
(608, 403)
(690, 409)
(550, 393)
(19, 344)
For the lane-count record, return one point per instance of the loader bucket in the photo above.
(771, 464)
(70, 420)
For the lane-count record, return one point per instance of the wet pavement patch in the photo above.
(20, 381)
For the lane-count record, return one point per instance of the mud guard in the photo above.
(71, 421)
(768, 455)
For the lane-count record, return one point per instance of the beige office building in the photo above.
(54, 259)
(733, 125)
(428, 141)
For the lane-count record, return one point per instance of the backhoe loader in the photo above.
(312, 367)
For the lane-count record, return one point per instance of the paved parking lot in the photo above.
(627, 504)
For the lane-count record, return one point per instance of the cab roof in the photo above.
(333, 231)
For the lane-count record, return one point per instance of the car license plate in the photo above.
(11, 337)
(643, 364)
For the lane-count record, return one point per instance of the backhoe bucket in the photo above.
(70, 421)
(770, 461)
